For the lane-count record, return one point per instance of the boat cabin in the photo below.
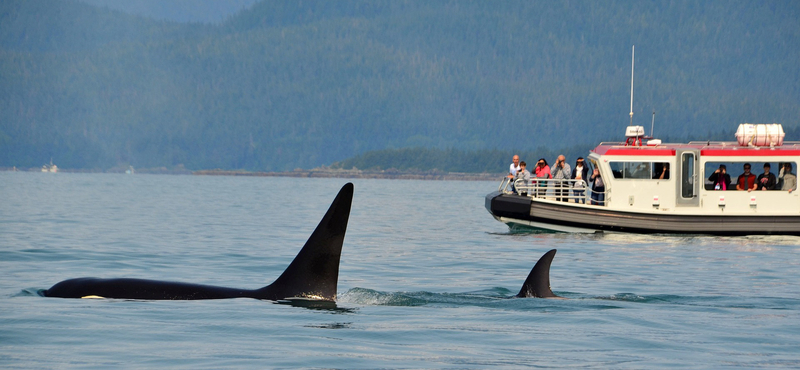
(675, 177)
(652, 187)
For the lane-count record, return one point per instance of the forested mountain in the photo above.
(287, 84)
(202, 11)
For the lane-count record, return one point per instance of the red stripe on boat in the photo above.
(642, 151)
(766, 152)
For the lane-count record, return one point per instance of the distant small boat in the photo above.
(50, 167)
(129, 171)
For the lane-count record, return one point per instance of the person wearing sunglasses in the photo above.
(746, 181)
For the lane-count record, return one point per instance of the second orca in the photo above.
(537, 285)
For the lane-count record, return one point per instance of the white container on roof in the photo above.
(762, 134)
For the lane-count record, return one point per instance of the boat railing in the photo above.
(505, 184)
(567, 190)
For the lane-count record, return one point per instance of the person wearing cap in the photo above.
(766, 180)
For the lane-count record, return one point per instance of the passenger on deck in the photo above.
(561, 171)
(766, 180)
(789, 179)
(580, 174)
(542, 171)
(512, 170)
(598, 188)
(720, 178)
(524, 175)
(746, 181)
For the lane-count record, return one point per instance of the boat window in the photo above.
(736, 169)
(640, 170)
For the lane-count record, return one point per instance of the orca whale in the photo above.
(537, 285)
(312, 275)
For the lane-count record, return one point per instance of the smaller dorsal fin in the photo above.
(537, 285)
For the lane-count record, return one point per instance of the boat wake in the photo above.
(501, 298)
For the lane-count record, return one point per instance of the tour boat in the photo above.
(685, 201)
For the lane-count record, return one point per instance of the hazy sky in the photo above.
(207, 11)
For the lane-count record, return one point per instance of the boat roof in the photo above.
(706, 148)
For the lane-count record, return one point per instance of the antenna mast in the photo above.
(653, 123)
(633, 49)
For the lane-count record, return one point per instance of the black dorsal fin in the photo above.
(314, 272)
(537, 284)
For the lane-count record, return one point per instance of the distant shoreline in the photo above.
(299, 173)
(362, 174)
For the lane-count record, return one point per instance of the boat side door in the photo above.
(688, 178)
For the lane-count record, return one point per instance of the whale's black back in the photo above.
(313, 273)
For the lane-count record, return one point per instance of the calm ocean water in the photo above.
(424, 282)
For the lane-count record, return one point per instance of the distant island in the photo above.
(362, 174)
(321, 172)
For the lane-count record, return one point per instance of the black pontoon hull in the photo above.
(570, 217)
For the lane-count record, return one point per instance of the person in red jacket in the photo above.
(542, 171)
(746, 181)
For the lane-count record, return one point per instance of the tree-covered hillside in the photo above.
(202, 11)
(287, 84)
